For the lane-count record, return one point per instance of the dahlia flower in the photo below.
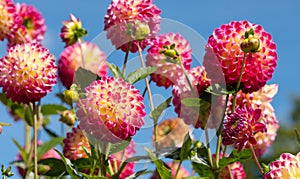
(116, 160)
(164, 47)
(171, 133)
(261, 99)
(72, 31)
(33, 25)
(71, 59)
(241, 126)
(112, 110)
(287, 166)
(27, 72)
(9, 20)
(199, 82)
(173, 167)
(74, 143)
(131, 20)
(223, 51)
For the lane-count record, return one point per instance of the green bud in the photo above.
(251, 43)
(71, 96)
(138, 30)
(67, 117)
(170, 53)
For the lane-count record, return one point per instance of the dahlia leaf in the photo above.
(57, 166)
(28, 116)
(139, 74)
(84, 77)
(21, 150)
(218, 90)
(234, 157)
(4, 99)
(115, 70)
(52, 109)
(160, 167)
(203, 170)
(155, 114)
(82, 163)
(196, 104)
(186, 147)
(45, 147)
(114, 148)
(69, 166)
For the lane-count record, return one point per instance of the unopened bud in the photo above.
(138, 30)
(71, 96)
(67, 117)
(251, 43)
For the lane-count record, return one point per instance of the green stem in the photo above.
(208, 147)
(256, 160)
(27, 137)
(177, 170)
(126, 58)
(35, 129)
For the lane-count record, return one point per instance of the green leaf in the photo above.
(196, 103)
(52, 109)
(21, 150)
(91, 177)
(218, 90)
(84, 77)
(3, 99)
(115, 70)
(155, 114)
(69, 166)
(45, 147)
(139, 74)
(234, 157)
(203, 170)
(28, 116)
(114, 148)
(137, 174)
(82, 163)
(160, 167)
(186, 147)
(297, 137)
(57, 166)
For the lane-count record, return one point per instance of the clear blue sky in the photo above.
(279, 18)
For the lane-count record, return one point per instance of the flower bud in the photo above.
(67, 117)
(251, 43)
(138, 30)
(71, 96)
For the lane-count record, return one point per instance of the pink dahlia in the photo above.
(261, 99)
(223, 51)
(74, 143)
(241, 126)
(70, 60)
(27, 72)
(131, 20)
(33, 25)
(72, 31)
(182, 90)
(172, 47)
(182, 173)
(287, 166)
(9, 20)
(112, 110)
(116, 160)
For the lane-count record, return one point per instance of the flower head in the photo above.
(27, 72)
(74, 143)
(131, 20)
(182, 173)
(241, 126)
(113, 110)
(33, 25)
(9, 20)
(223, 51)
(182, 90)
(72, 31)
(287, 166)
(70, 60)
(173, 47)
(171, 132)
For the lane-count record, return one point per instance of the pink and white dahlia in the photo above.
(9, 20)
(70, 60)
(287, 166)
(182, 90)
(116, 160)
(72, 31)
(182, 173)
(27, 72)
(33, 25)
(131, 20)
(113, 110)
(74, 144)
(223, 50)
(171, 46)
(241, 126)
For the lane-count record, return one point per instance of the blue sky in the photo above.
(279, 18)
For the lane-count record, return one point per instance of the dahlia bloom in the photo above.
(168, 73)
(72, 31)
(171, 133)
(261, 99)
(74, 143)
(173, 167)
(71, 59)
(287, 166)
(27, 72)
(113, 110)
(131, 20)
(33, 25)
(241, 126)
(199, 82)
(223, 51)
(116, 160)
(9, 20)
